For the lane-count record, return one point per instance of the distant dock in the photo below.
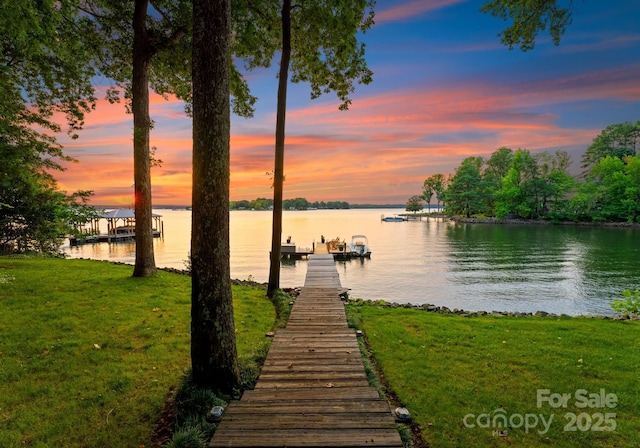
(120, 228)
(107, 238)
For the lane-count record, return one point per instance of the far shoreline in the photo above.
(542, 222)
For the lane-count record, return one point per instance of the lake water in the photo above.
(558, 269)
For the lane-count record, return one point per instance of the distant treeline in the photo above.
(520, 184)
(287, 204)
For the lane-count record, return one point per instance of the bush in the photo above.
(192, 430)
(191, 437)
(630, 305)
(193, 403)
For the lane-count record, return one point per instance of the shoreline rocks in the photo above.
(431, 308)
(294, 292)
(541, 222)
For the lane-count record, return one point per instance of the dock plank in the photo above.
(313, 390)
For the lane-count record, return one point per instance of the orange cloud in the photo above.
(379, 151)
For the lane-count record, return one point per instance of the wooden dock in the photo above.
(313, 390)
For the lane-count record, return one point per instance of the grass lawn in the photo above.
(88, 353)
(449, 370)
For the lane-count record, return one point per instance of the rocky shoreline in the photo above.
(542, 222)
(465, 313)
(294, 292)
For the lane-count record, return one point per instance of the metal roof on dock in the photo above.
(123, 213)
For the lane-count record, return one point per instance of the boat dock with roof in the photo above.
(120, 227)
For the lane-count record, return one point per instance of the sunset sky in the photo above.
(444, 89)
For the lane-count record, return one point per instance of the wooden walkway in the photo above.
(313, 390)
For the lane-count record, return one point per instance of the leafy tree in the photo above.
(240, 205)
(131, 36)
(510, 196)
(584, 202)
(261, 204)
(319, 44)
(557, 184)
(528, 18)
(522, 187)
(213, 345)
(338, 205)
(615, 189)
(534, 184)
(466, 191)
(617, 140)
(609, 174)
(632, 191)
(296, 204)
(45, 68)
(414, 204)
(142, 44)
(440, 189)
(427, 192)
(496, 168)
(34, 214)
(433, 185)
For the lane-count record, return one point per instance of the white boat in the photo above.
(394, 218)
(359, 246)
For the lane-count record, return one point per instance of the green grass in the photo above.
(88, 353)
(443, 367)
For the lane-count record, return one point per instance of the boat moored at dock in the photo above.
(394, 218)
(359, 246)
(337, 247)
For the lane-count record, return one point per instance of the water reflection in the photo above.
(573, 270)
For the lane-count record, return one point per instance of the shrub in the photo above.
(191, 437)
(630, 305)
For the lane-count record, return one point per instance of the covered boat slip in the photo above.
(313, 389)
(120, 227)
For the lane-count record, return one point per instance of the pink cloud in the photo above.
(379, 151)
(599, 43)
(411, 10)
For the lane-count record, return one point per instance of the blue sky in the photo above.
(444, 88)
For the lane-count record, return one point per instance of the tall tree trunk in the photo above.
(213, 344)
(278, 172)
(145, 263)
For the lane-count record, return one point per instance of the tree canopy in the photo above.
(617, 140)
(539, 185)
(45, 69)
(434, 185)
(319, 45)
(147, 44)
(414, 204)
(528, 18)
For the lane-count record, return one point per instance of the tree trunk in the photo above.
(213, 344)
(145, 263)
(278, 172)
